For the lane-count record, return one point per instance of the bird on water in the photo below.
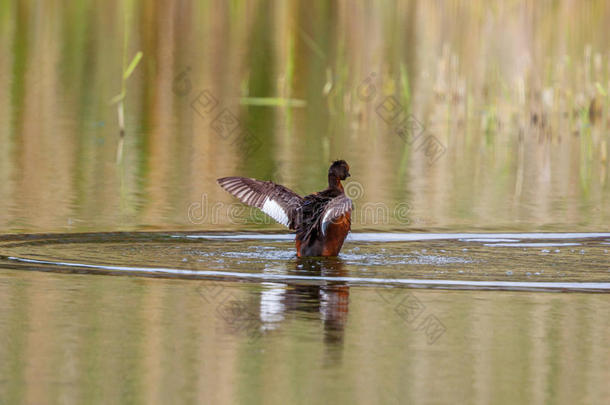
(321, 220)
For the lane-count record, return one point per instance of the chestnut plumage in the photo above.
(322, 220)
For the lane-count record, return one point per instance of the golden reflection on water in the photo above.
(514, 93)
(82, 338)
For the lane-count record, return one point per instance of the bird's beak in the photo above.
(347, 175)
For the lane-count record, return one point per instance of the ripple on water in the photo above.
(411, 260)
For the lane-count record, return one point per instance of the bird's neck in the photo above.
(334, 182)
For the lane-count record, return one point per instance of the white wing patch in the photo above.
(275, 211)
(325, 221)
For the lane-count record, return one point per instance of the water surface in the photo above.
(237, 318)
(478, 139)
(502, 261)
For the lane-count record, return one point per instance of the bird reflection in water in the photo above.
(328, 298)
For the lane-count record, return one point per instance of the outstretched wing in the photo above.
(273, 199)
(335, 210)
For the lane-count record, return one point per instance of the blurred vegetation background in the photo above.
(515, 94)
